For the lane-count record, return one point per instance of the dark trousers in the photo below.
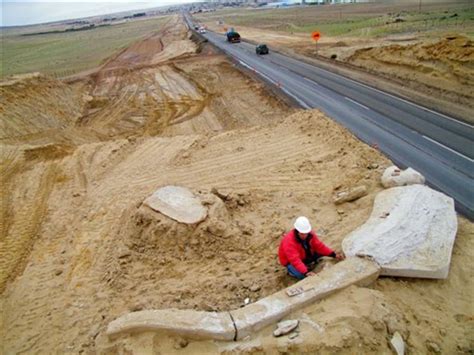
(310, 264)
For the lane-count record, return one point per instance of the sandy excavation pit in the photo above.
(75, 229)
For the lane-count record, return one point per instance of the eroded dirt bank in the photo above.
(78, 249)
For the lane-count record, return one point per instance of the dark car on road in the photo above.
(261, 49)
(233, 37)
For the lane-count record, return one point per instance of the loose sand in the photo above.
(79, 249)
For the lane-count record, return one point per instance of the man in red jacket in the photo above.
(300, 250)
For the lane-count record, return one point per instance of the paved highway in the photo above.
(438, 146)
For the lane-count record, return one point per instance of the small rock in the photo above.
(223, 195)
(217, 229)
(69, 312)
(181, 343)
(398, 345)
(293, 335)
(393, 176)
(101, 295)
(321, 232)
(76, 194)
(340, 211)
(285, 327)
(185, 155)
(246, 301)
(94, 332)
(137, 307)
(255, 288)
(124, 254)
(58, 272)
(432, 346)
(350, 195)
(373, 166)
(379, 325)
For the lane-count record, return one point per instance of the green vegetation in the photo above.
(63, 54)
(367, 20)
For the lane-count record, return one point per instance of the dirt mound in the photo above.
(170, 42)
(444, 64)
(33, 105)
(153, 233)
(150, 244)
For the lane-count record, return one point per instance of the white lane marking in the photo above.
(301, 102)
(379, 91)
(406, 101)
(357, 103)
(311, 81)
(450, 149)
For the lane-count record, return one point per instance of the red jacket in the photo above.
(292, 252)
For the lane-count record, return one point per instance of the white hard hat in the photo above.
(302, 225)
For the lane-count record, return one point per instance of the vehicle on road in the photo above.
(261, 49)
(202, 30)
(233, 37)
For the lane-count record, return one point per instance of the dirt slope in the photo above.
(442, 64)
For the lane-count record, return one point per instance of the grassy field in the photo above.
(371, 20)
(63, 54)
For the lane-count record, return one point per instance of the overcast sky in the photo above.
(14, 12)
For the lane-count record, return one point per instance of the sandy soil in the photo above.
(78, 249)
(436, 65)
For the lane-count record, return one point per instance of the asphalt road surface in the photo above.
(438, 146)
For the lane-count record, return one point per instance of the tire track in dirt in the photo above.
(66, 269)
(37, 312)
(196, 105)
(220, 166)
(80, 176)
(16, 246)
(10, 166)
